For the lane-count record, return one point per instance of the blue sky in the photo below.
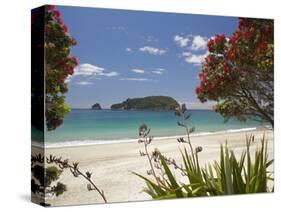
(124, 54)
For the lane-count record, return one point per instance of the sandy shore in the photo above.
(111, 165)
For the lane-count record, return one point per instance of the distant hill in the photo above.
(96, 106)
(153, 103)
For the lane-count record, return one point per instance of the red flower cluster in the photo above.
(230, 54)
(57, 16)
(248, 34)
(68, 69)
(226, 68)
(216, 42)
(204, 85)
(209, 87)
(261, 46)
(64, 28)
(57, 58)
(51, 7)
(235, 38)
(267, 33)
(209, 59)
(197, 90)
(57, 13)
(230, 62)
(202, 76)
(210, 44)
(75, 60)
(245, 23)
(241, 23)
(200, 88)
(219, 39)
(67, 65)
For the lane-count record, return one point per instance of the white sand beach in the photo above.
(112, 164)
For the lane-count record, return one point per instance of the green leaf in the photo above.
(156, 188)
(171, 178)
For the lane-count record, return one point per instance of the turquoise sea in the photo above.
(83, 126)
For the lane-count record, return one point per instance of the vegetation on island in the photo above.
(96, 106)
(153, 103)
(238, 72)
(230, 175)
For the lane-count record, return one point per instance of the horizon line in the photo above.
(86, 108)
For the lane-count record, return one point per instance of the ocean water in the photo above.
(107, 126)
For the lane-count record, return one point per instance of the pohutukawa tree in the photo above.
(238, 72)
(58, 65)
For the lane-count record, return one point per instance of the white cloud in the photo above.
(87, 69)
(83, 83)
(195, 59)
(109, 74)
(152, 50)
(157, 72)
(68, 79)
(87, 72)
(134, 79)
(129, 50)
(139, 71)
(160, 69)
(186, 54)
(181, 41)
(199, 43)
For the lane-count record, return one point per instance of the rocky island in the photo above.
(153, 103)
(96, 106)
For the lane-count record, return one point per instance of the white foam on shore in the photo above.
(130, 140)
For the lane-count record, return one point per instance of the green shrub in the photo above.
(227, 176)
(230, 175)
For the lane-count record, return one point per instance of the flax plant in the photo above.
(229, 175)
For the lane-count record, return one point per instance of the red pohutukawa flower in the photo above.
(262, 45)
(226, 68)
(210, 45)
(57, 13)
(197, 90)
(64, 28)
(230, 54)
(220, 39)
(235, 38)
(248, 34)
(202, 76)
(209, 59)
(75, 60)
(244, 61)
(51, 7)
(60, 21)
(59, 65)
